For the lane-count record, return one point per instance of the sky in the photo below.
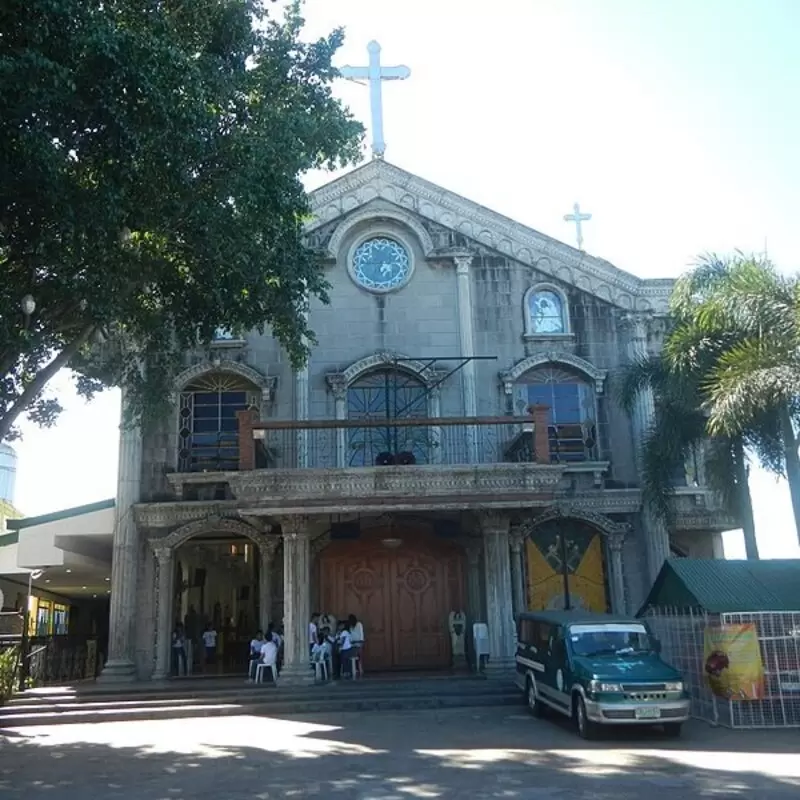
(674, 124)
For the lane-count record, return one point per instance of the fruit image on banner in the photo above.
(733, 665)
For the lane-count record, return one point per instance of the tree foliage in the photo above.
(739, 326)
(150, 162)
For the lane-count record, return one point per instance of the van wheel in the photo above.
(672, 729)
(586, 728)
(534, 704)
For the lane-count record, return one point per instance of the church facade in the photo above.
(453, 445)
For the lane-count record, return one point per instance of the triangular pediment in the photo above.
(378, 182)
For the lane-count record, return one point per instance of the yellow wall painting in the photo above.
(586, 574)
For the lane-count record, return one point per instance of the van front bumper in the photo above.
(637, 713)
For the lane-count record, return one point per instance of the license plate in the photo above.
(647, 713)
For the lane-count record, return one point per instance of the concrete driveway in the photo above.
(480, 753)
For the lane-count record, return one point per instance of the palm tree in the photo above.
(679, 431)
(738, 324)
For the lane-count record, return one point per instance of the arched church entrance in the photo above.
(402, 582)
(216, 584)
(566, 566)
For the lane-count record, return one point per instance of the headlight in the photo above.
(677, 686)
(600, 686)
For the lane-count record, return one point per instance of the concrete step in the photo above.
(169, 703)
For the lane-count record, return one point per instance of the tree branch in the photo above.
(43, 377)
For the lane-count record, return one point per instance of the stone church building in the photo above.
(454, 444)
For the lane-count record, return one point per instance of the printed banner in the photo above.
(733, 665)
(584, 568)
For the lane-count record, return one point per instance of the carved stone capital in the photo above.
(163, 555)
(295, 527)
(516, 539)
(463, 263)
(616, 542)
(494, 523)
(337, 383)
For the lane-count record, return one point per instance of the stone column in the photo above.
(499, 612)
(296, 599)
(655, 531)
(617, 577)
(518, 572)
(266, 555)
(467, 344)
(301, 405)
(120, 665)
(164, 569)
(338, 386)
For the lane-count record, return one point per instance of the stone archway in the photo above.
(612, 535)
(164, 549)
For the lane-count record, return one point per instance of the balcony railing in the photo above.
(325, 444)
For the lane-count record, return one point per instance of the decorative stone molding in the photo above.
(511, 376)
(375, 213)
(601, 522)
(211, 524)
(379, 179)
(319, 543)
(264, 382)
(341, 380)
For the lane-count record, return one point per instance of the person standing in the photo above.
(210, 644)
(179, 650)
(312, 632)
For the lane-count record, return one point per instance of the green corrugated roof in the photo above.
(29, 522)
(719, 586)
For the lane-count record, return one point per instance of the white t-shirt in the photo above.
(269, 653)
(312, 633)
(210, 639)
(255, 646)
(357, 633)
(345, 641)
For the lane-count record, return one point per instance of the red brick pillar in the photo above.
(541, 440)
(247, 445)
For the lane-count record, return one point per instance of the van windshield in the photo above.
(609, 640)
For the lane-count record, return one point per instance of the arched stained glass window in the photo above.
(572, 411)
(387, 395)
(208, 428)
(545, 312)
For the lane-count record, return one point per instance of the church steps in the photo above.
(366, 695)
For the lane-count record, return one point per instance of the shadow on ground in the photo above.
(386, 757)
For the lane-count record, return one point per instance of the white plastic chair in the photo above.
(480, 639)
(321, 671)
(252, 669)
(260, 672)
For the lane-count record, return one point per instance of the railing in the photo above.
(63, 659)
(389, 442)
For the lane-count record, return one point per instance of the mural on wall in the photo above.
(579, 555)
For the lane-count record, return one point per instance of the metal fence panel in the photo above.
(682, 634)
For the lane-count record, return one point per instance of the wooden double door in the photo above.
(403, 595)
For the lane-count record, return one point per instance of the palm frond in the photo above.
(749, 379)
(645, 373)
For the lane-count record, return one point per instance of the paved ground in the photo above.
(495, 753)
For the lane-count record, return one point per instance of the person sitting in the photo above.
(321, 652)
(269, 655)
(255, 654)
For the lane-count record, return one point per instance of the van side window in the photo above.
(527, 631)
(543, 636)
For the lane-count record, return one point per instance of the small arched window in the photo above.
(545, 312)
(572, 411)
(208, 428)
(389, 395)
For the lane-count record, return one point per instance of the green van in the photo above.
(598, 669)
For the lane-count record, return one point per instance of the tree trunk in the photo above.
(792, 464)
(745, 502)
